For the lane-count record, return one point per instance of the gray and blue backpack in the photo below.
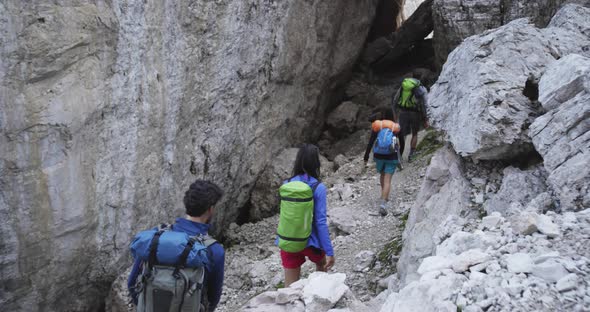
(174, 266)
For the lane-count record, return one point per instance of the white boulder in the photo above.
(546, 226)
(519, 263)
(492, 221)
(550, 270)
(561, 135)
(462, 262)
(363, 260)
(323, 291)
(434, 263)
(567, 282)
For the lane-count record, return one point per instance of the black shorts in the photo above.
(410, 122)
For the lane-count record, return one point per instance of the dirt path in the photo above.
(253, 263)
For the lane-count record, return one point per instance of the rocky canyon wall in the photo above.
(109, 109)
(516, 96)
(456, 20)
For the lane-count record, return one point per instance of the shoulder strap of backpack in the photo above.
(209, 241)
(153, 259)
(184, 255)
(205, 240)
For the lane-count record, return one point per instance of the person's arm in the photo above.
(132, 280)
(422, 95)
(215, 277)
(371, 142)
(321, 221)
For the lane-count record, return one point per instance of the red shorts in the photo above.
(293, 260)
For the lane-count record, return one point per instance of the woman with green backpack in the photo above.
(303, 227)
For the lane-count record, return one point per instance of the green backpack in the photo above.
(296, 215)
(406, 99)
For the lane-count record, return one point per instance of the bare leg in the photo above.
(402, 144)
(291, 276)
(381, 181)
(414, 141)
(386, 185)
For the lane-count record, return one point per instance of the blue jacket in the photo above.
(214, 273)
(320, 236)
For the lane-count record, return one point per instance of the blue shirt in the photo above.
(320, 236)
(215, 268)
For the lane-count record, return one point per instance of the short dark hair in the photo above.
(308, 161)
(200, 196)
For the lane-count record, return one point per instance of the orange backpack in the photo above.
(381, 124)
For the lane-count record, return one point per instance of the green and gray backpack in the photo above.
(407, 98)
(296, 215)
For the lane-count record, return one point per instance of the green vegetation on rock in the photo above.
(404, 219)
(392, 248)
(431, 142)
(281, 284)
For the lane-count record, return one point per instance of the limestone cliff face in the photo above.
(505, 64)
(109, 109)
(456, 20)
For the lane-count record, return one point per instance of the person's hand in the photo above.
(365, 166)
(329, 263)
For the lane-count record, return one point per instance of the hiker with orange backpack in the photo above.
(303, 227)
(385, 146)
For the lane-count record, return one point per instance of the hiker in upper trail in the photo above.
(303, 228)
(409, 108)
(179, 266)
(385, 153)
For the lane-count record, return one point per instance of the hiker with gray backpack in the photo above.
(179, 267)
(303, 228)
(409, 108)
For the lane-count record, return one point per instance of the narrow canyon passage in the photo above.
(366, 247)
(110, 109)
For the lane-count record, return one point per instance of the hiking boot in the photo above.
(383, 208)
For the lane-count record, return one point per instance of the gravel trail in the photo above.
(367, 254)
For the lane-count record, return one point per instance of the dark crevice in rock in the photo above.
(244, 213)
(419, 55)
(531, 90)
(411, 33)
(193, 168)
(387, 18)
(206, 162)
(525, 160)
